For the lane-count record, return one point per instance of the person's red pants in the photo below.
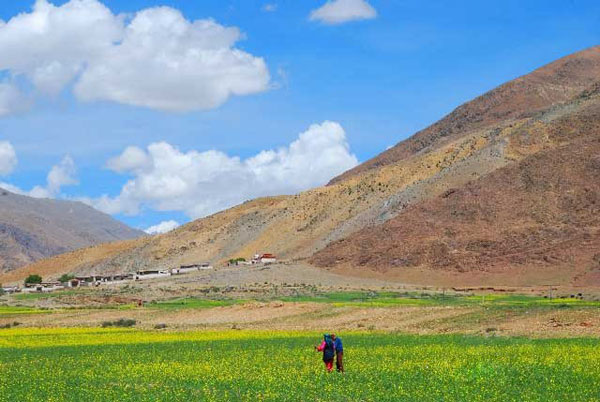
(328, 364)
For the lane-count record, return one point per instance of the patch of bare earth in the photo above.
(325, 317)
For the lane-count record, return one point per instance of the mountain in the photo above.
(534, 221)
(495, 177)
(521, 98)
(32, 228)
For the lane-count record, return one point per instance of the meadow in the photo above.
(134, 365)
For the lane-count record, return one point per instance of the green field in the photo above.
(8, 311)
(389, 299)
(134, 365)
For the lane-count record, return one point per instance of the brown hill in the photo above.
(552, 109)
(32, 228)
(540, 215)
(521, 98)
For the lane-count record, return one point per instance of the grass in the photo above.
(9, 311)
(370, 299)
(50, 295)
(383, 299)
(134, 365)
(193, 303)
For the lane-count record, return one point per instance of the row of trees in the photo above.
(36, 279)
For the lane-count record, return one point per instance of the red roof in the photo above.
(267, 256)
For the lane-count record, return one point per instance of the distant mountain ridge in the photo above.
(32, 228)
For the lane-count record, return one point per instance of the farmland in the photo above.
(230, 344)
(127, 365)
(292, 309)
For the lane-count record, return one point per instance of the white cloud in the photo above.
(8, 158)
(50, 45)
(12, 100)
(63, 174)
(269, 7)
(163, 227)
(158, 59)
(132, 159)
(166, 62)
(341, 11)
(200, 183)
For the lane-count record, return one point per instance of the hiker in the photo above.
(328, 351)
(339, 352)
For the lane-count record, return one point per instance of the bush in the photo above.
(10, 325)
(123, 323)
(66, 278)
(33, 279)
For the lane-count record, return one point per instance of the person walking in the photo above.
(328, 350)
(339, 352)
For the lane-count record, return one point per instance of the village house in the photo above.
(185, 269)
(10, 289)
(151, 274)
(265, 258)
(44, 287)
(92, 280)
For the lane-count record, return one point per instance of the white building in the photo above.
(140, 275)
(186, 269)
(266, 258)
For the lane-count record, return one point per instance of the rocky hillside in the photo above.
(538, 215)
(552, 109)
(32, 229)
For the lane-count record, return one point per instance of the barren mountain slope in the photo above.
(32, 229)
(551, 84)
(298, 226)
(540, 215)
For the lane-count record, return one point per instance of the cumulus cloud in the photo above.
(62, 174)
(156, 59)
(12, 100)
(8, 158)
(341, 11)
(166, 62)
(50, 45)
(199, 183)
(163, 227)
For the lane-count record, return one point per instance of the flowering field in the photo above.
(134, 365)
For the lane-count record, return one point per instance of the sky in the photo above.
(160, 112)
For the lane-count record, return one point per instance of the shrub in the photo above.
(10, 325)
(123, 323)
(66, 278)
(34, 278)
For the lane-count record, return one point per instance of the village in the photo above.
(78, 281)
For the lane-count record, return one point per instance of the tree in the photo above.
(66, 278)
(31, 279)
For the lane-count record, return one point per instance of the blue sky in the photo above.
(380, 79)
